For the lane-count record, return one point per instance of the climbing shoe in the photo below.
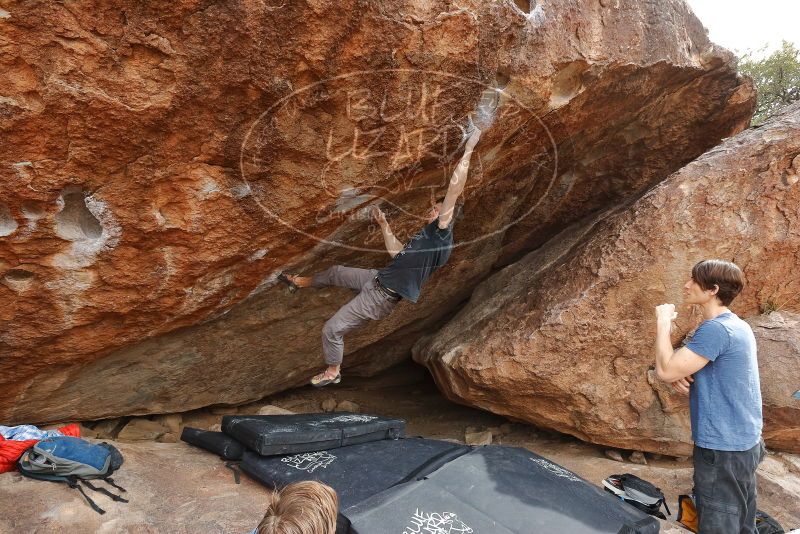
(322, 380)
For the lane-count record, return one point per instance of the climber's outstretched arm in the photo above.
(457, 181)
(393, 245)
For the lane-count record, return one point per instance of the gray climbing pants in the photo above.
(725, 489)
(369, 304)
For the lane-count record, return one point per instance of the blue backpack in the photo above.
(74, 461)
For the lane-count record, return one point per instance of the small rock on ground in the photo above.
(171, 421)
(478, 438)
(142, 430)
(87, 432)
(614, 455)
(271, 409)
(329, 404)
(348, 406)
(224, 410)
(168, 438)
(109, 428)
(637, 457)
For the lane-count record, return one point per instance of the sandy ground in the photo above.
(174, 487)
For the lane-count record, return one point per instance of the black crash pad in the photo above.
(498, 490)
(288, 434)
(356, 472)
(216, 442)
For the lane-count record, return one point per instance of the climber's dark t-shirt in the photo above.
(428, 250)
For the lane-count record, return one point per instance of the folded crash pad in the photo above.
(502, 490)
(216, 442)
(355, 471)
(287, 434)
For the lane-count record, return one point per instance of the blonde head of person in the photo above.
(306, 507)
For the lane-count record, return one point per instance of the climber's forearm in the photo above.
(457, 183)
(393, 246)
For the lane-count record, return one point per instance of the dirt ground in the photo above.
(174, 487)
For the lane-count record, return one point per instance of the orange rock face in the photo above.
(564, 338)
(160, 166)
(778, 336)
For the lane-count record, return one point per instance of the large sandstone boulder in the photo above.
(778, 335)
(564, 338)
(160, 166)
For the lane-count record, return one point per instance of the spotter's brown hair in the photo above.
(306, 507)
(725, 275)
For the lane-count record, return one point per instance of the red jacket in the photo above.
(11, 450)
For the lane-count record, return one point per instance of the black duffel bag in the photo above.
(216, 442)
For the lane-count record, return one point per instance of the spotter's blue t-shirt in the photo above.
(725, 397)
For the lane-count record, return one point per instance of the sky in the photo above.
(740, 25)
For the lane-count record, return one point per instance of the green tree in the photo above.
(777, 79)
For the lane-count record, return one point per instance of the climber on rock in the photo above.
(380, 290)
